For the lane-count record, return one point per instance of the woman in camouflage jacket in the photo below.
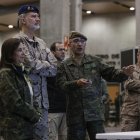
(17, 114)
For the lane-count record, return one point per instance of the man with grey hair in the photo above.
(41, 62)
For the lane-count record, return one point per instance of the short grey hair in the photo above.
(20, 18)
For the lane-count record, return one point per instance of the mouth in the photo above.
(37, 23)
(79, 49)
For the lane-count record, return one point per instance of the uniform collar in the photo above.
(85, 59)
(27, 38)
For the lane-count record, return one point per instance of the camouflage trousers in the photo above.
(24, 132)
(41, 127)
(78, 131)
(12, 135)
(130, 123)
(57, 126)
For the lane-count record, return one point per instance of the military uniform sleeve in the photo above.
(39, 65)
(132, 85)
(46, 67)
(111, 74)
(65, 81)
(12, 100)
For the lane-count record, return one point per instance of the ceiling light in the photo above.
(132, 8)
(10, 26)
(88, 12)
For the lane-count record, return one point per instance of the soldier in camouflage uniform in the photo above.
(41, 61)
(80, 75)
(17, 114)
(130, 112)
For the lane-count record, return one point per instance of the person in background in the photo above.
(130, 111)
(80, 75)
(105, 95)
(17, 113)
(41, 62)
(57, 100)
(117, 108)
(107, 111)
(105, 101)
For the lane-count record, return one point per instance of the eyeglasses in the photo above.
(61, 49)
(77, 40)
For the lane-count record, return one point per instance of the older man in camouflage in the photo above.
(41, 62)
(81, 76)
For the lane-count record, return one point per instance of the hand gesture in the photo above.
(128, 70)
(83, 82)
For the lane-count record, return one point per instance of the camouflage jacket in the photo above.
(16, 112)
(42, 63)
(85, 102)
(131, 102)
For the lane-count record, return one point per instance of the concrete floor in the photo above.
(111, 127)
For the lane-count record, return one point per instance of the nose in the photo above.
(23, 53)
(79, 43)
(63, 50)
(38, 18)
(63, 53)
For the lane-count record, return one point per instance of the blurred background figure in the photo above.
(57, 99)
(130, 113)
(105, 99)
(106, 103)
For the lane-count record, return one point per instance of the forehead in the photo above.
(32, 14)
(21, 45)
(77, 38)
(58, 45)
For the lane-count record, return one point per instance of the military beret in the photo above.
(74, 34)
(27, 8)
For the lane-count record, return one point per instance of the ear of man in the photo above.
(23, 20)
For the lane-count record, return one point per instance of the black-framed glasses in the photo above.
(61, 49)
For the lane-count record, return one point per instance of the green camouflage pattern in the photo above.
(85, 102)
(79, 131)
(17, 116)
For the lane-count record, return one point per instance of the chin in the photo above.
(80, 53)
(34, 28)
